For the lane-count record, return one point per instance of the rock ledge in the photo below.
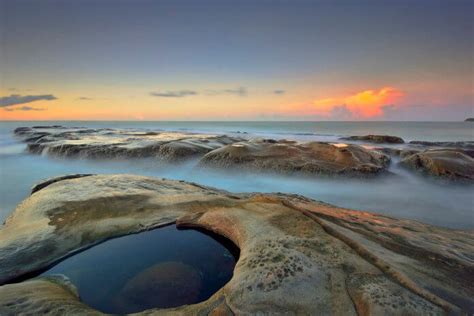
(297, 256)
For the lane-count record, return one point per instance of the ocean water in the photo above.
(405, 195)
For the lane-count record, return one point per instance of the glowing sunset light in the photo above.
(220, 64)
(364, 104)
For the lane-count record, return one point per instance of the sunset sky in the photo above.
(236, 60)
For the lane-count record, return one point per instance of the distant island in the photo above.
(469, 119)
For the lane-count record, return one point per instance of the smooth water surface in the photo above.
(164, 267)
(405, 195)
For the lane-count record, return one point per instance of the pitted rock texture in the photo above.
(314, 158)
(443, 164)
(377, 139)
(107, 143)
(297, 256)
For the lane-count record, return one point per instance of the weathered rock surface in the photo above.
(116, 143)
(297, 256)
(378, 139)
(445, 164)
(292, 157)
(58, 297)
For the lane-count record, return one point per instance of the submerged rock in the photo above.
(445, 164)
(378, 139)
(164, 285)
(459, 145)
(292, 157)
(297, 255)
(107, 143)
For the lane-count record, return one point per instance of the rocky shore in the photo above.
(297, 256)
(107, 143)
(377, 139)
(314, 158)
(446, 164)
(452, 161)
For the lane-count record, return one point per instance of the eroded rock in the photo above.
(292, 157)
(107, 143)
(444, 164)
(378, 139)
(297, 256)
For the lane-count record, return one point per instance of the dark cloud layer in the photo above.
(16, 99)
(279, 91)
(174, 94)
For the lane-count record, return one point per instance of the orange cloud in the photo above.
(364, 104)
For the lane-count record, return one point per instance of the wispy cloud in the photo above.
(16, 99)
(240, 91)
(174, 94)
(84, 98)
(24, 108)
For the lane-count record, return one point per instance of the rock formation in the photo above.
(378, 139)
(445, 164)
(297, 256)
(288, 157)
(118, 143)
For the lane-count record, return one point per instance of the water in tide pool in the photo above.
(405, 195)
(164, 267)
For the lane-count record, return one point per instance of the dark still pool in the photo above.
(161, 268)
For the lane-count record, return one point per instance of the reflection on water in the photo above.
(165, 267)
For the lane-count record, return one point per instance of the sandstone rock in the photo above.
(297, 256)
(378, 139)
(445, 164)
(116, 143)
(291, 157)
(58, 297)
(47, 182)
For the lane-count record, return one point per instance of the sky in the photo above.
(236, 60)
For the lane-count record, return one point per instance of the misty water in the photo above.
(161, 268)
(404, 195)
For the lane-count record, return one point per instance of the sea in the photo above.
(406, 195)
